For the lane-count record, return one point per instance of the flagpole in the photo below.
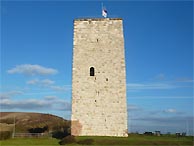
(104, 11)
(102, 7)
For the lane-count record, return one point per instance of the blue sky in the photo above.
(36, 59)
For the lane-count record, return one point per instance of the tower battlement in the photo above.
(97, 19)
(99, 105)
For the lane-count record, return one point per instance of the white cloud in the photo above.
(150, 86)
(166, 119)
(50, 97)
(9, 94)
(22, 104)
(170, 110)
(184, 80)
(30, 69)
(63, 106)
(59, 88)
(35, 104)
(49, 84)
(131, 107)
(159, 97)
(161, 85)
(45, 82)
(33, 82)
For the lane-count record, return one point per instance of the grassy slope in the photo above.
(6, 127)
(134, 140)
(30, 142)
(25, 121)
(142, 140)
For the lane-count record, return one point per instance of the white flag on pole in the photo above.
(104, 12)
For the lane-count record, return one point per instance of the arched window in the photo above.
(92, 72)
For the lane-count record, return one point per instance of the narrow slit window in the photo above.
(92, 72)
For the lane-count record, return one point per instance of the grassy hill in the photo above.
(26, 121)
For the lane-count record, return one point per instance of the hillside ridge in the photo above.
(25, 121)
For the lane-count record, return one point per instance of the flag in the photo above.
(104, 12)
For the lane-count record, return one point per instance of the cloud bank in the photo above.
(47, 103)
(9, 94)
(30, 69)
(149, 86)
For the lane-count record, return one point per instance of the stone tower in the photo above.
(99, 105)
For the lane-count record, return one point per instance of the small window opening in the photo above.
(97, 40)
(92, 72)
(95, 100)
(106, 79)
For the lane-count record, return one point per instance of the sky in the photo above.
(36, 59)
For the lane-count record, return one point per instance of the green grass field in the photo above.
(133, 140)
(141, 140)
(29, 142)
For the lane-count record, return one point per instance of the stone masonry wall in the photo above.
(99, 105)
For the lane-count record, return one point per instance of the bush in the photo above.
(5, 135)
(67, 140)
(86, 141)
(38, 129)
(58, 134)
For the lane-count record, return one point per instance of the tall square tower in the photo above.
(99, 106)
